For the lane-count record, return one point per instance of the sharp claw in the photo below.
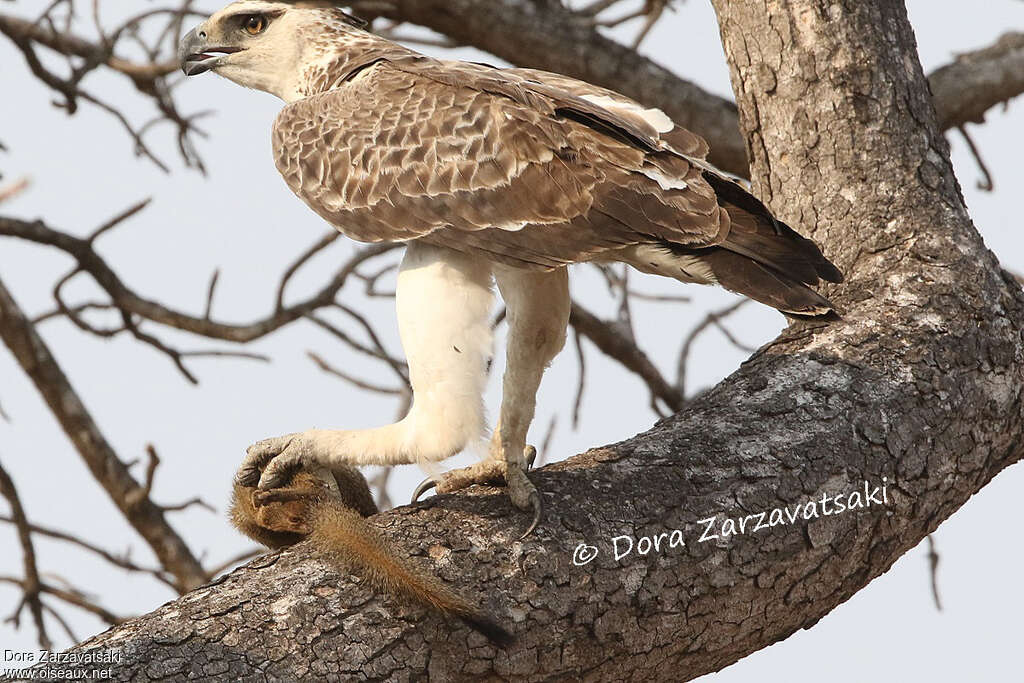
(424, 486)
(537, 510)
(531, 456)
(248, 477)
(274, 480)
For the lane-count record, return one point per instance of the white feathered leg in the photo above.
(444, 300)
(537, 306)
(537, 311)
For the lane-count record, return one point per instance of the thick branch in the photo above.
(918, 388)
(977, 81)
(546, 35)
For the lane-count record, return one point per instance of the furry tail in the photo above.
(344, 535)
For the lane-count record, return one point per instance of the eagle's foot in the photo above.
(270, 463)
(493, 472)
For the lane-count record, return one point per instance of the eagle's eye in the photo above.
(255, 24)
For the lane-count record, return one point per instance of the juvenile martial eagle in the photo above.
(487, 174)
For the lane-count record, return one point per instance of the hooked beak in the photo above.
(198, 56)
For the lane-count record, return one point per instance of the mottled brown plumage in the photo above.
(491, 176)
(530, 169)
(533, 169)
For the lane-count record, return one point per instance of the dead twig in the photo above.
(35, 358)
(712, 319)
(611, 340)
(354, 381)
(121, 561)
(933, 566)
(985, 184)
(30, 586)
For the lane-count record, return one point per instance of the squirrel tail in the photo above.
(345, 537)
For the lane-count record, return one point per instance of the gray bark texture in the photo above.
(919, 386)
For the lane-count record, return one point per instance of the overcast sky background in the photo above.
(242, 219)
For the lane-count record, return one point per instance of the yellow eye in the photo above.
(255, 24)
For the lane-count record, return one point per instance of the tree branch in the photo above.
(129, 302)
(917, 390)
(547, 35)
(977, 81)
(143, 75)
(30, 585)
(35, 358)
(623, 349)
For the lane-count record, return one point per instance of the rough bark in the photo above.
(919, 386)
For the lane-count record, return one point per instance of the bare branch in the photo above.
(191, 502)
(145, 493)
(139, 495)
(979, 80)
(581, 359)
(121, 561)
(72, 597)
(143, 75)
(118, 219)
(128, 301)
(356, 382)
(31, 585)
(933, 570)
(546, 443)
(607, 337)
(39, 364)
(713, 318)
(320, 245)
(148, 79)
(231, 562)
(377, 351)
(210, 291)
(985, 184)
(62, 621)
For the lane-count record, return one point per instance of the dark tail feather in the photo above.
(758, 235)
(743, 275)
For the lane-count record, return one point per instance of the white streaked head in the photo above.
(269, 45)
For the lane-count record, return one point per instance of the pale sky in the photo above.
(243, 220)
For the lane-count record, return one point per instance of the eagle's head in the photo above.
(271, 45)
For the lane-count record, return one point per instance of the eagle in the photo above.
(489, 176)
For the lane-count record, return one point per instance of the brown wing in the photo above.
(654, 122)
(493, 160)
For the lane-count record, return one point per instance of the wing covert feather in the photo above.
(534, 172)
